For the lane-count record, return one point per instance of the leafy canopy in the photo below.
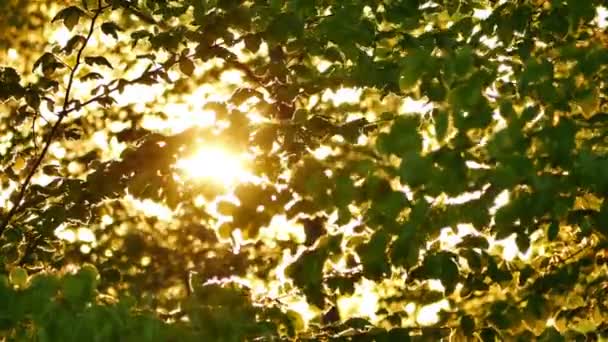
(303, 170)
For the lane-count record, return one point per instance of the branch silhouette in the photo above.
(67, 108)
(64, 112)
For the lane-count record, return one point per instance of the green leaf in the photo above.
(333, 54)
(11, 253)
(345, 285)
(48, 62)
(434, 89)
(474, 241)
(372, 213)
(466, 95)
(373, 255)
(552, 230)
(412, 68)
(488, 335)
(71, 44)
(18, 277)
(92, 76)
(398, 334)
(314, 229)
(403, 138)
(13, 235)
(243, 94)
(9, 75)
(136, 36)
(77, 288)
(32, 98)
(537, 305)
(467, 324)
(357, 323)
(70, 16)
(473, 259)
(90, 272)
(390, 204)
(462, 62)
(186, 66)
(253, 42)
(405, 250)
(284, 26)
(551, 335)
(51, 170)
(523, 242)
(98, 60)
(415, 170)
(265, 137)
(442, 121)
(307, 272)
(111, 29)
(345, 190)
(353, 129)
(440, 266)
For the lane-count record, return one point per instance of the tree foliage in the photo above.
(402, 155)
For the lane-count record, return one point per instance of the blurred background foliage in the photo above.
(303, 170)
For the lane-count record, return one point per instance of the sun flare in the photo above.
(216, 165)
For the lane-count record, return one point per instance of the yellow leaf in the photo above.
(19, 164)
(186, 66)
(296, 320)
(590, 104)
(225, 230)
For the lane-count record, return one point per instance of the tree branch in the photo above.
(66, 110)
(136, 11)
(55, 128)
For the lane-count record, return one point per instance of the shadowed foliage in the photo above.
(220, 170)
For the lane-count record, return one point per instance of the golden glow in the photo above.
(85, 235)
(342, 96)
(219, 165)
(482, 13)
(150, 208)
(322, 152)
(232, 77)
(65, 234)
(145, 260)
(280, 228)
(183, 116)
(362, 303)
(508, 248)
(429, 314)
(5, 196)
(409, 105)
(215, 164)
(111, 148)
(139, 94)
(12, 54)
(300, 311)
(602, 17)
(61, 35)
(106, 220)
(322, 64)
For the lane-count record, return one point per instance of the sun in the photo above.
(214, 164)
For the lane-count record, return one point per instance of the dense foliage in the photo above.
(402, 157)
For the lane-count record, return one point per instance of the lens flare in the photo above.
(214, 164)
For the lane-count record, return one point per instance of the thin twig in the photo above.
(55, 128)
(64, 63)
(136, 11)
(235, 64)
(65, 111)
(34, 131)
